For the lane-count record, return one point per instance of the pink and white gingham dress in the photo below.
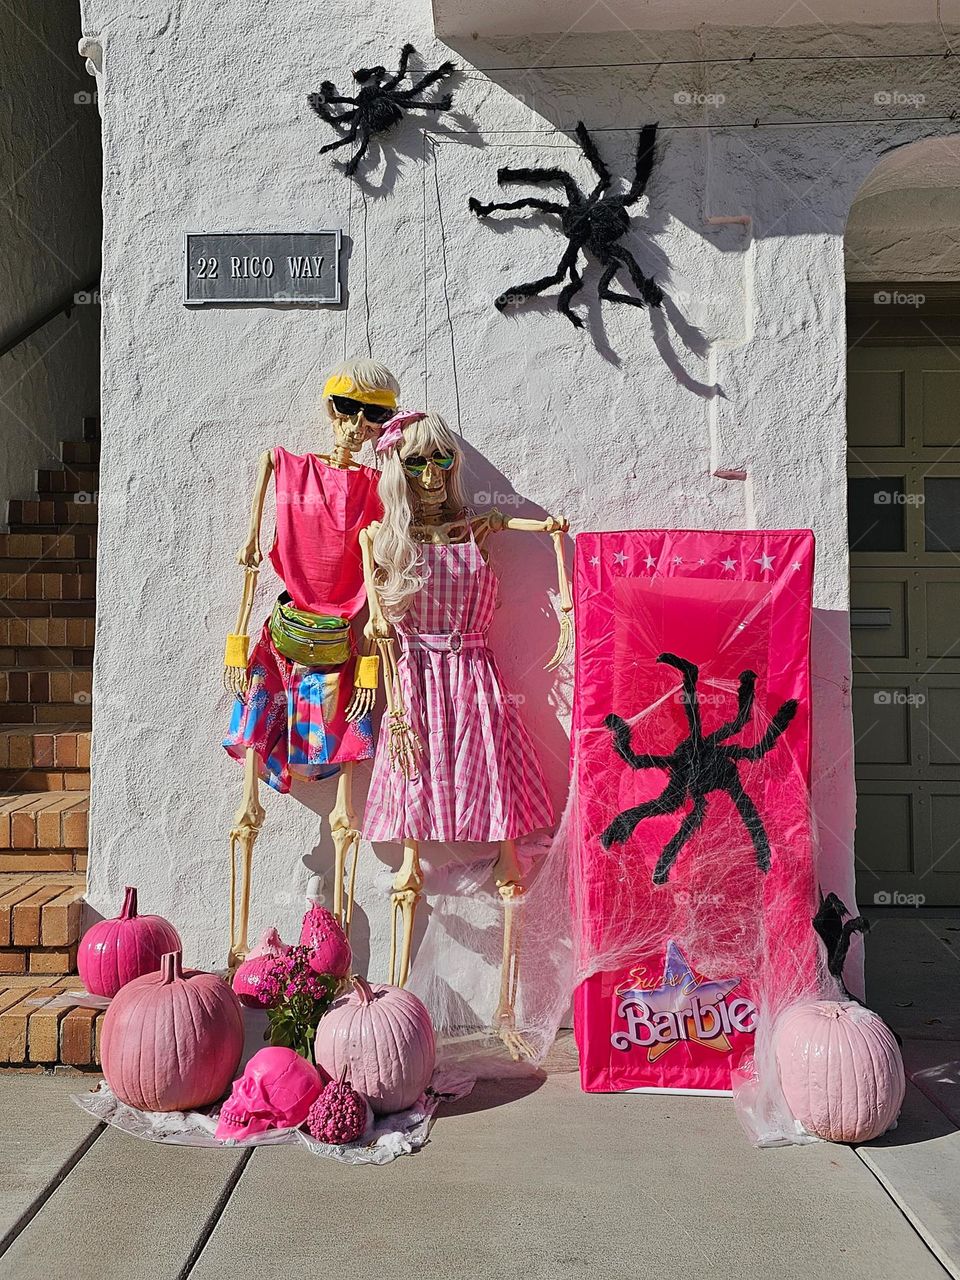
(479, 775)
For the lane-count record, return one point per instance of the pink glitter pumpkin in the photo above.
(248, 981)
(322, 933)
(340, 1114)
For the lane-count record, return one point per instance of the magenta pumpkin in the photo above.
(840, 1070)
(172, 1040)
(384, 1038)
(114, 952)
(340, 1114)
(322, 933)
(248, 979)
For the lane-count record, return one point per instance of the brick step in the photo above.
(45, 546)
(55, 747)
(79, 452)
(39, 717)
(47, 585)
(39, 911)
(46, 821)
(43, 861)
(49, 608)
(55, 685)
(40, 657)
(47, 633)
(64, 480)
(46, 514)
(16, 780)
(44, 1025)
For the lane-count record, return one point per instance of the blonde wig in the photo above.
(354, 377)
(398, 557)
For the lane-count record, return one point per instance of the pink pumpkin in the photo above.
(840, 1070)
(248, 979)
(172, 1040)
(114, 952)
(322, 933)
(383, 1037)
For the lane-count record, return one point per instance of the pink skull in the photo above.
(276, 1091)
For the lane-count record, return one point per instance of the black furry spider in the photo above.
(698, 766)
(836, 932)
(378, 106)
(597, 222)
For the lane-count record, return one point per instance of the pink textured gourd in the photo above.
(840, 1070)
(114, 952)
(248, 979)
(322, 933)
(172, 1040)
(340, 1114)
(384, 1038)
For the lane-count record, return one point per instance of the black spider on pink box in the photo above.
(596, 223)
(699, 765)
(379, 104)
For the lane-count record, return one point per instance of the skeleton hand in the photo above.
(556, 524)
(377, 627)
(360, 704)
(235, 680)
(249, 556)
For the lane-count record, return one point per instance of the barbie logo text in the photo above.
(699, 1020)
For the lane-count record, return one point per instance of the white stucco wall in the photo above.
(619, 426)
(49, 236)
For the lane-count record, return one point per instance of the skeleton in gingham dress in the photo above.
(454, 761)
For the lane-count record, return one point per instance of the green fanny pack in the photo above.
(311, 639)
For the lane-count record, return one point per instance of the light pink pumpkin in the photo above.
(248, 979)
(329, 949)
(172, 1040)
(383, 1037)
(840, 1070)
(114, 952)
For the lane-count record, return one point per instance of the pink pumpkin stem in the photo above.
(171, 966)
(362, 988)
(129, 903)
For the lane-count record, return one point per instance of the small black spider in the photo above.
(698, 766)
(597, 222)
(378, 106)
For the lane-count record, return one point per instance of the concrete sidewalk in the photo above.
(527, 1178)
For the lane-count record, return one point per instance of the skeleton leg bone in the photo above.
(346, 845)
(507, 876)
(247, 823)
(406, 894)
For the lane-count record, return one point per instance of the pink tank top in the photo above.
(320, 512)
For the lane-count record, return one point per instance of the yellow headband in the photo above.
(341, 385)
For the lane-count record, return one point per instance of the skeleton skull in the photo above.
(276, 1091)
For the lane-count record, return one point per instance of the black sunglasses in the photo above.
(372, 412)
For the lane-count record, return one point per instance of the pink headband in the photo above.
(392, 432)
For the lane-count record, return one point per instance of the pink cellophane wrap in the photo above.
(681, 981)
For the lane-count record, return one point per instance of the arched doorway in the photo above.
(902, 251)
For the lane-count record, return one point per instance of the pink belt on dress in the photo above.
(447, 642)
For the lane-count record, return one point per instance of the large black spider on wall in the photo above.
(698, 766)
(596, 223)
(379, 104)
